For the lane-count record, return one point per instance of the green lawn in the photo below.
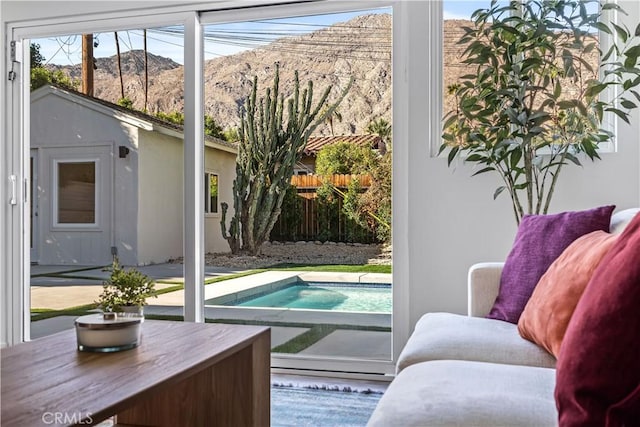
(338, 268)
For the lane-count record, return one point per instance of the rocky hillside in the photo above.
(360, 48)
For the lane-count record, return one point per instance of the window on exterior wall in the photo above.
(210, 192)
(458, 14)
(76, 186)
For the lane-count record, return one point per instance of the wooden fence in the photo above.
(340, 181)
(318, 219)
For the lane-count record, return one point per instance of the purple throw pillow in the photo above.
(539, 241)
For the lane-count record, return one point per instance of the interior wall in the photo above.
(453, 220)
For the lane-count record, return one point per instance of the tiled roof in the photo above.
(316, 143)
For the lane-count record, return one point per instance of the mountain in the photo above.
(360, 48)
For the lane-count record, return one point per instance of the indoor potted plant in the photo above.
(126, 290)
(539, 87)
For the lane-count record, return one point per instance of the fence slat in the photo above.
(339, 180)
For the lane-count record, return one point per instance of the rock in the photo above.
(301, 243)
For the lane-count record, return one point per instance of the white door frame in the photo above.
(19, 139)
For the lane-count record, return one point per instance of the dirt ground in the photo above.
(306, 253)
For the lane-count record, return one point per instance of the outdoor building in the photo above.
(307, 164)
(109, 181)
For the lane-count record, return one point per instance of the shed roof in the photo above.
(316, 143)
(133, 117)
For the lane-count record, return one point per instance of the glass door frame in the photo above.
(400, 318)
(18, 120)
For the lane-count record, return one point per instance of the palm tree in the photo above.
(335, 114)
(382, 128)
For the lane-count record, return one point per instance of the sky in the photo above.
(220, 39)
(462, 9)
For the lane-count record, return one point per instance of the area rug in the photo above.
(321, 406)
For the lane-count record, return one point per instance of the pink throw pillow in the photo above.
(546, 316)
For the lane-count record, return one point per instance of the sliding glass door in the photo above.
(127, 152)
(321, 277)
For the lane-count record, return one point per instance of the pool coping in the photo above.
(255, 284)
(241, 288)
(172, 303)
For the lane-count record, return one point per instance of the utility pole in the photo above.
(87, 64)
(119, 66)
(146, 71)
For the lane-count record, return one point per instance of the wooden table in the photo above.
(182, 374)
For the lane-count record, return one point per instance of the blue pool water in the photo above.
(328, 296)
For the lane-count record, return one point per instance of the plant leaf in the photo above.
(484, 170)
(629, 105)
(452, 155)
(619, 113)
(603, 27)
(573, 158)
(622, 33)
(498, 191)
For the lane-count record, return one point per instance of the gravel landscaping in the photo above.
(305, 253)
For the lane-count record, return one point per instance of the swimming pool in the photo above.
(356, 297)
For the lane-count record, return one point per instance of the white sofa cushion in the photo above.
(621, 219)
(441, 336)
(460, 393)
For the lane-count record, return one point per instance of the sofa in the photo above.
(458, 370)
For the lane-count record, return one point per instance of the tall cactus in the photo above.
(268, 150)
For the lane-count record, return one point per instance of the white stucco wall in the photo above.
(142, 216)
(125, 199)
(160, 201)
(62, 128)
(160, 198)
(224, 164)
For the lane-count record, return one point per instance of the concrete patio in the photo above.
(59, 288)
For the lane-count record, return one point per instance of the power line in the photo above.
(304, 24)
(373, 45)
(62, 44)
(297, 46)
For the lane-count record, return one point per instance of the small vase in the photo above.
(133, 309)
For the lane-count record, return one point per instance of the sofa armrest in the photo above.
(483, 286)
